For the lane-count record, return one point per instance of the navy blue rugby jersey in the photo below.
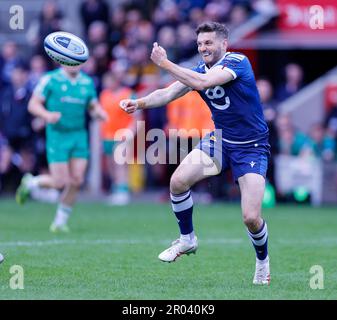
(235, 106)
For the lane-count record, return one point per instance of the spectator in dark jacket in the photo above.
(9, 59)
(15, 122)
(293, 82)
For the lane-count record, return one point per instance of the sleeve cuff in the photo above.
(230, 71)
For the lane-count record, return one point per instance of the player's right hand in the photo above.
(129, 105)
(52, 117)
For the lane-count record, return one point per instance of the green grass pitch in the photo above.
(111, 253)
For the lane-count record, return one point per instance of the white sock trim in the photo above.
(261, 233)
(179, 197)
(182, 206)
(260, 242)
(64, 208)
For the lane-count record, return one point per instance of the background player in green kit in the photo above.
(62, 98)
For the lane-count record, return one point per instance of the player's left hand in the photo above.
(158, 54)
(101, 115)
(96, 111)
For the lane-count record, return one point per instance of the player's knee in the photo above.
(178, 184)
(77, 181)
(251, 221)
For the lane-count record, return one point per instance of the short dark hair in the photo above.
(219, 28)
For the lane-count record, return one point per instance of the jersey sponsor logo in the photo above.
(73, 100)
(217, 92)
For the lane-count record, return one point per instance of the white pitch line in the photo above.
(225, 241)
(313, 242)
(39, 243)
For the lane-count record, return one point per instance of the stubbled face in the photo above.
(211, 47)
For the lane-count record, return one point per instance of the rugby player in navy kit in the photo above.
(226, 82)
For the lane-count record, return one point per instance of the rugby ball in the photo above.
(66, 48)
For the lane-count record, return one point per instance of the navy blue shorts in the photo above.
(240, 158)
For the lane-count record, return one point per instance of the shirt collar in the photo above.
(225, 55)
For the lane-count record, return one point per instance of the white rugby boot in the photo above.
(178, 248)
(262, 272)
(119, 199)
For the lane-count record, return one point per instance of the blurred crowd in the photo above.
(120, 36)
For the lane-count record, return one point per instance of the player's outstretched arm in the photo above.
(97, 112)
(155, 99)
(197, 81)
(36, 108)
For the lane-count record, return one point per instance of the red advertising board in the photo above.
(307, 15)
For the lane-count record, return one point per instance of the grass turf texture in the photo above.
(111, 253)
